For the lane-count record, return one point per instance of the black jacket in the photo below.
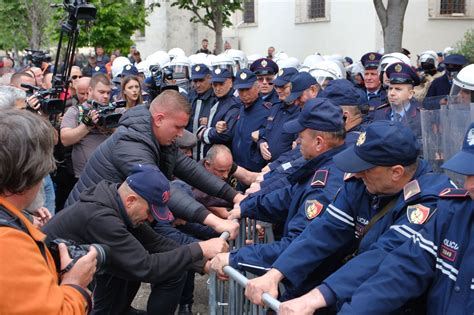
(136, 253)
(133, 143)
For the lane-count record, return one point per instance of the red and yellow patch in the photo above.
(313, 208)
(418, 214)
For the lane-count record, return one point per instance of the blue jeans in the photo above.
(49, 195)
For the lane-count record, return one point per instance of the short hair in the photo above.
(26, 153)
(354, 110)
(333, 138)
(205, 40)
(215, 150)
(99, 78)
(17, 78)
(170, 100)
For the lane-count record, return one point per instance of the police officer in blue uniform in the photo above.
(313, 186)
(201, 99)
(376, 94)
(272, 140)
(402, 105)
(344, 94)
(442, 86)
(252, 116)
(387, 186)
(265, 69)
(223, 112)
(438, 259)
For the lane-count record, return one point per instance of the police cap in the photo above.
(220, 75)
(299, 83)
(199, 71)
(284, 76)
(401, 73)
(244, 79)
(264, 66)
(371, 60)
(342, 93)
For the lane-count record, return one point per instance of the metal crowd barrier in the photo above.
(227, 297)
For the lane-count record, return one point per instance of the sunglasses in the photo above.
(75, 77)
(267, 79)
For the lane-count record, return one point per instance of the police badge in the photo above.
(217, 71)
(243, 76)
(361, 139)
(197, 68)
(313, 208)
(398, 68)
(417, 214)
(470, 137)
(264, 63)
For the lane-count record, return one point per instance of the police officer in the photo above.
(387, 186)
(438, 260)
(265, 69)
(272, 141)
(201, 98)
(343, 93)
(253, 116)
(441, 86)
(314, 185)
(402, 105)
(376, 94)
(223, 112)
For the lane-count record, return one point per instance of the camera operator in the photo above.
(30, 282)
(79, 125)
(20, 78)
(114, 214)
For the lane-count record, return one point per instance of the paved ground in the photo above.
(201, 296)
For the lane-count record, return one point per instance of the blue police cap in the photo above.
(300, 82)
(455, 59)
(318, 114)
(150, 183)
(401, 73)
(199, 71)
(463, 161)
(264, 66)
(342, 93)
(99, 69)
(129, 70)
(371, 60)
(244, 79)
(220, 75)
(384, 143)
(284, 76)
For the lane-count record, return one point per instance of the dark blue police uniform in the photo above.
(251, 118)
(343, 227)
(225, 109)
(442, 86)
(266, 67)
(312, 188)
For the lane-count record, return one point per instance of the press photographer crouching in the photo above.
(30, 280)
(114, 215)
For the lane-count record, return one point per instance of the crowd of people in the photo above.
(151, 160)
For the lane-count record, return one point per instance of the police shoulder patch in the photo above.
(418, 214)
(411, 189)
(348, 176)
(267, 105)
(319, 179)
(313, 208)
(454, 193)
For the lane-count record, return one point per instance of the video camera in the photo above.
(37, 57)
(49, 106)
(108, 118)
(77, 251)
(158, 77)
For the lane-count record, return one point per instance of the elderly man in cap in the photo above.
(114, 215)
(272, 140)
(253, 116)
(266, 69)
(313, 186)
(201, 98)
(376, 94)
(386, 185)
(437, 261)
(401, 106)
(222, 115)
(303, 88)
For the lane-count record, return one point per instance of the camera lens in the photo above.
(103, 252)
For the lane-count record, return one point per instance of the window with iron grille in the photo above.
(249, 11)
(452, 7)
(316, 9)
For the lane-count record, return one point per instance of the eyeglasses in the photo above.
(75, 77)
(267, 79)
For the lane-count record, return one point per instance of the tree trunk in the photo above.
(218, 27)
(391, 19)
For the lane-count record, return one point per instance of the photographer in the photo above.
(30, 282)
(79, 125)
(114, 215)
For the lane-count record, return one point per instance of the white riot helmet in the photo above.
(252, 58)
(239, 57)
(144, 68)
(325, 71)
(290, 62)
(311, 61)
(463, 85)
(197, 59)
(392, 58)
(429, 61)
(280, 56)
(160, 58)
(175, 52)
(448, 51)
(224, 61)
(118, 64)
(181, 67)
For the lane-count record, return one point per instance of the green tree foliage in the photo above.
(214, 14)
(466, 45)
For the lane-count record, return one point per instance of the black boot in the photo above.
(185, 309)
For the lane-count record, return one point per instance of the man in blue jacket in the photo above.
(387, 186)
(312, 188)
